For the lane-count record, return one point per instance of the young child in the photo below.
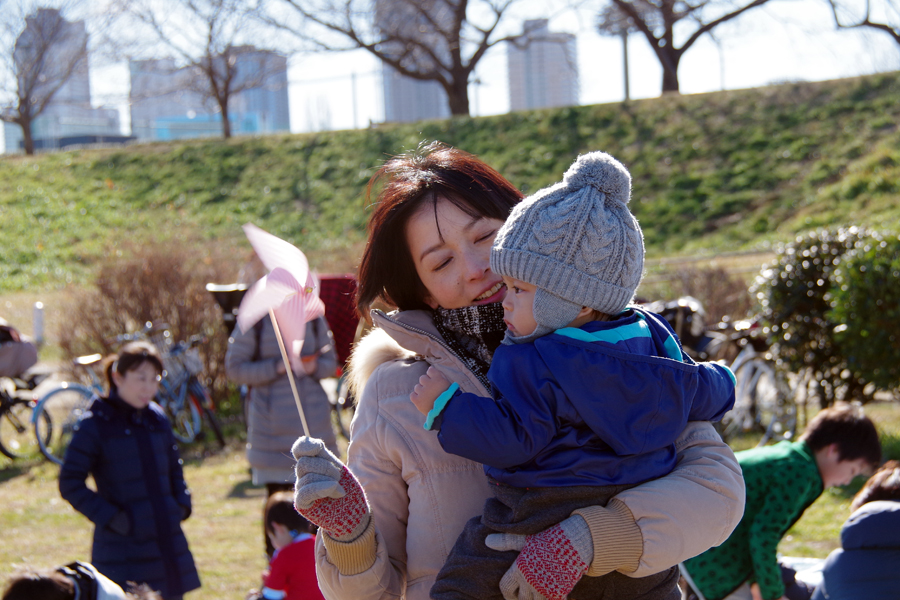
(292, 572)
(782, 481)
(125, 442)
(588, 396)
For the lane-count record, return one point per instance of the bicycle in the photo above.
(16, 410)
(59, 410)
(763, 399)
(183, 397)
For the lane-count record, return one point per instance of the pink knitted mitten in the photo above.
(551, 562)
(327, 493)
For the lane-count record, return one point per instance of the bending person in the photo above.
(430, 238)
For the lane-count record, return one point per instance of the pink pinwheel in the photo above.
(290, 291)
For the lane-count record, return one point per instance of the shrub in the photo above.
(795, 294)
(866, 306)
(158, 283)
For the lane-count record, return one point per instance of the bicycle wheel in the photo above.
(182, 414)
(55, 417)
(17, 440)
(200, 398)
(775, 409)
(742, 417)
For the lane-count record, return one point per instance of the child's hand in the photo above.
(431, 385)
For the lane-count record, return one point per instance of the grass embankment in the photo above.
(720, 171)
(224, 531)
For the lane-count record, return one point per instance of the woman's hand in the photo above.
(549, 564)
(327, 493)
(431, 385)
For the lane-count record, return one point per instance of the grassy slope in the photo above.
(715, 171)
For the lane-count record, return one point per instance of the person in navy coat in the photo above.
(126, 443)
(866, 564)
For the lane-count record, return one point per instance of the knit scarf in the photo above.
(473, 333)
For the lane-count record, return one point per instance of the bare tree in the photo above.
(613, 22)
(658, 20)
(428, 40)
(42, 53)
(208, 39)
(883, 16)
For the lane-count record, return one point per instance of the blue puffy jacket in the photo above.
(867, 566)
(136, 468)
(599, 405)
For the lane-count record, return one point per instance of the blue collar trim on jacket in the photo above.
(622, 333)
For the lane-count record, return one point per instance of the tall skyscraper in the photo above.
(407, 99)
(165, 103)
(68, 115)
(543, 73)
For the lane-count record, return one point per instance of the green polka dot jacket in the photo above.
(782, 481)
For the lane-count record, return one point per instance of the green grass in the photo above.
(224, 531)
(721, 171)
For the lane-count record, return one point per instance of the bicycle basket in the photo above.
(192, 361)
(174, 367)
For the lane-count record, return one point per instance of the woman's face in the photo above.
(451, 251)
(138, 386)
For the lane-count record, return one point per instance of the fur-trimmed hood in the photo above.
(405, 335)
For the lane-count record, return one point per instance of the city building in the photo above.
(407, 99)
(68, 118)
(167, 101)
(543, 68)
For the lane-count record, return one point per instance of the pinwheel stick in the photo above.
(290, 372)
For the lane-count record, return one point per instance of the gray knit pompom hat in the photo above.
(577, 242)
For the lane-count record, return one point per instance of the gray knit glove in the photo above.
(327, 493)
(549, 564)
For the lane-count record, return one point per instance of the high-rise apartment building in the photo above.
(166, 103)
(543, 68)
(68, 115)
(407, 99)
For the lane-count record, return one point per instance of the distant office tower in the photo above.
(168, 102)
(68, 117)
(543, 73)
(407, 99)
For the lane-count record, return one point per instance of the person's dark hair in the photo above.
(130, 357)
(280, 509)
(883, 485)
(847, 426)
(37, 585)
(52, 584)
(404, 183)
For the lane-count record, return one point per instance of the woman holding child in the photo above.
(428, 254)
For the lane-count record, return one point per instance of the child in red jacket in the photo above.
(292, 571)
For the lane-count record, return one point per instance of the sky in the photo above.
(784, 40)
(779, 42)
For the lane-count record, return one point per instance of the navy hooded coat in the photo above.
(134, 461)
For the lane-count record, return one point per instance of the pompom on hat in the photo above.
(577, 242)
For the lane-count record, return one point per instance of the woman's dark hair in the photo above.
(280, 509)
(883, 485)
(406, 182)
(130, 357)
